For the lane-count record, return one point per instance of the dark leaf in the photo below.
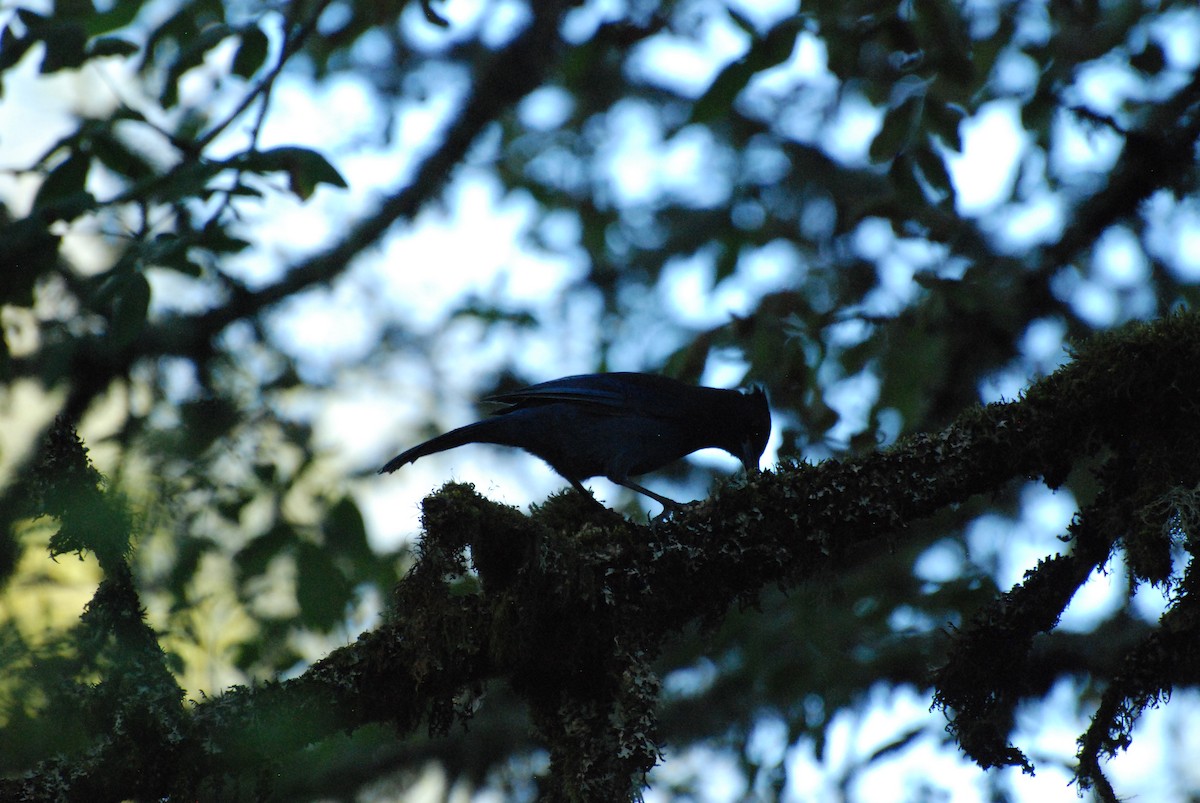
(170, 251)
(118, 157)
(321, 590)
(12, 46)
(771, 50)
(220, 241)
(432, 16)
(205, 421)
(62, 194)
(726, 262)
(1151, 60)
(195, 46)
(944, 120)
(111, 46)
(27, 251)
(66, 45)
(742, 21)
(903, 176)
(189, 181)
(899, 128)
(252, 52)
(933, 170)
(254, 558)
(118, 15)
(131, 302)
(305, 168)
(188, 552)
(345, 532)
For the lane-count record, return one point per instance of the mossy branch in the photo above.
(570, 604)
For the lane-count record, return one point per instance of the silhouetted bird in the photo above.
(616, 426)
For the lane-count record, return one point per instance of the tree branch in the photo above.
(575, 602)
(514, 72)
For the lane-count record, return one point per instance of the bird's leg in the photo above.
(669, 505)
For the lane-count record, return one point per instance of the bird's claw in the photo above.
(668, 511)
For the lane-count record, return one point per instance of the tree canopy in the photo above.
(247, 252)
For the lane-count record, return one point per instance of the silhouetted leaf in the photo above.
(1151, 60)
(251, 53)
(431, 16)
(130, 304)
(27, 251)
(195, 41)
(189, 180)
(220, 241)
(945, 120)
(65, 43)
(62, 194)
(118, 157)
(13, 45)
(305, 168)
(170, 251)
(345, 532)
(203, 421)
(254, 558)
(934, 171)
(900, 126)
(111, 46)
(769, 51)
(321, 590)
(118, 15)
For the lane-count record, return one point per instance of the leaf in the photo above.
(728, 254)
(903, 176)
(219, 241)
(251, 53)
(27, 250)
(118, 15)
(898, 130)
(934, 172)
(66, 45)
(186, 182)
(305, 168)
(345, 532)
(6, 375)
(769, 51)
(62, 195)
(1150, 61)
(114, 154)
(321, 590)
(12, 46)
(431, 16)
(170, 251)
(253, 559)
(742, 21)
(131, 303)
(196, 45)
(945, 120)
(189, 550)
(205, 421)
(111, 46)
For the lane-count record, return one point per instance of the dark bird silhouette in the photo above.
(616, 426)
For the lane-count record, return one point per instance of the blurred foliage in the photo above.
(224, 524)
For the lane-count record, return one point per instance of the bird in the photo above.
(615, 425)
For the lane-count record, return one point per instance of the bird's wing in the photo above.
(644, 394)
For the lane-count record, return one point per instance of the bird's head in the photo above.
(755, 427)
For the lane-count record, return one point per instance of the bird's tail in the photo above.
(479, 432)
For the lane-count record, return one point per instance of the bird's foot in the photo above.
(670, 508)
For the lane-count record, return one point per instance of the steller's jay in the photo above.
(616, 426)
